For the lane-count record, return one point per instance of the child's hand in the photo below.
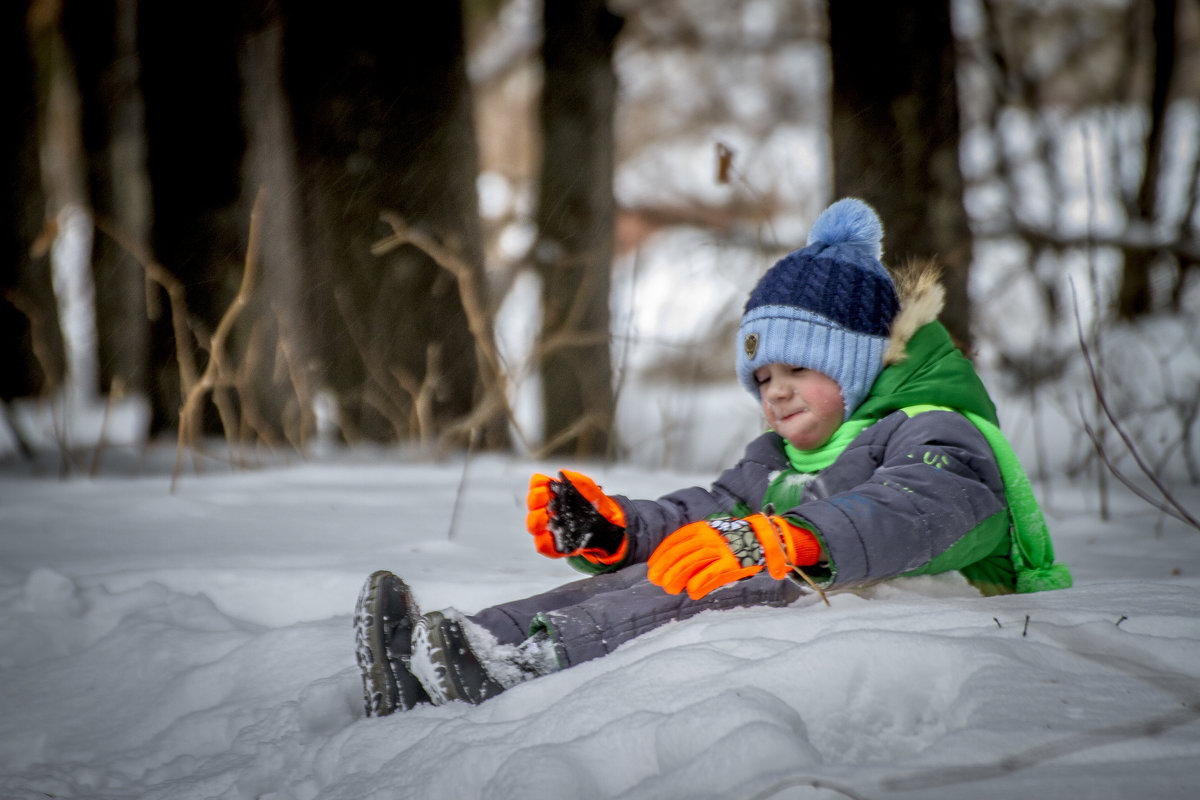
(570, 516)
(706, 555)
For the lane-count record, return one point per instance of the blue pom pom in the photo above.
(849, 221)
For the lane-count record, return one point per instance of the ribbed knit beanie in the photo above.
(828, 306)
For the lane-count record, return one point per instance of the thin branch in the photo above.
(1128, 483)
(159, 274)
(566, 338)
(779, 533)
(116, 391)
(478, 318)
(810, 582)
(1167, 496)
(378, 393)
(584, 423)
(422, 393)
(459, 493)
(189, 415)
(385, 404)
(447, 259)
(1138, 236)
(254, 424)
(305, 418)
(468, 426)
(43, 353)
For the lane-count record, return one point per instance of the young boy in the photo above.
(883, 459)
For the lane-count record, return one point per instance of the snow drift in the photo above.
(199, 645)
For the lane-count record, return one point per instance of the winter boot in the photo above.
(447, 665)
(383, 625)
(456, 659)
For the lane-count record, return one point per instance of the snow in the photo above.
(199, 644)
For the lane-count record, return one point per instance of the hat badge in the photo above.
(750, 345)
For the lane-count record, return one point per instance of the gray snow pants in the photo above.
(592, 617)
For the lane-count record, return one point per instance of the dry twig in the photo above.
(379, 393)
(422, 394)
(1168, 503)
(573, 431)
(180, 317)
(216, 369)
(809, 581)
(305, 418)
(478, 319)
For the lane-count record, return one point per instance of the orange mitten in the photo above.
(706, 555)
(571, 516)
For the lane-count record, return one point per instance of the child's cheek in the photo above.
(767, 412)
(830, 400)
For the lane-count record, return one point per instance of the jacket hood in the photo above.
(922, 364)
(922, 298)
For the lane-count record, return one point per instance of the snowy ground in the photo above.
(198, 644)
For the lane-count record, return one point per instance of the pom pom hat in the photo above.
(827, 307)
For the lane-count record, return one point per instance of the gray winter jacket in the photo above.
(909, 494)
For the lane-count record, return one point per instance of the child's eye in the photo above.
(798, 370)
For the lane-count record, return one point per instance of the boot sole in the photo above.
(380, 693)
(388, 685)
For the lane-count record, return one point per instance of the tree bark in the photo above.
(575, 218)
(34, 360)
(384, 123)
(282, 390)
(896, 134)
(102, 37)
(1134, 296)
(194, 152)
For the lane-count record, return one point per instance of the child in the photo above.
(883, 460)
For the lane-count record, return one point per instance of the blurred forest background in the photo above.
(299, 218)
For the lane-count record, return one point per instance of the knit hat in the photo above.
(827, 307)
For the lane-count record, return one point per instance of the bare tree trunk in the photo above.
(102, 36)
(283, 386)
(575, 226)
(1133, 297)
(896, 134)
(34, 360)
(195, 146)
(384, 123)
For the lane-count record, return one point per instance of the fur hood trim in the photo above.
(922, 296)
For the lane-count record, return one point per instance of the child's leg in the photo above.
(509, 622)
(592, 617)
(475, 657)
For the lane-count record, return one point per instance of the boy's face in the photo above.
(801, 405)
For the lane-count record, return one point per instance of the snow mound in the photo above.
(143, 660)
